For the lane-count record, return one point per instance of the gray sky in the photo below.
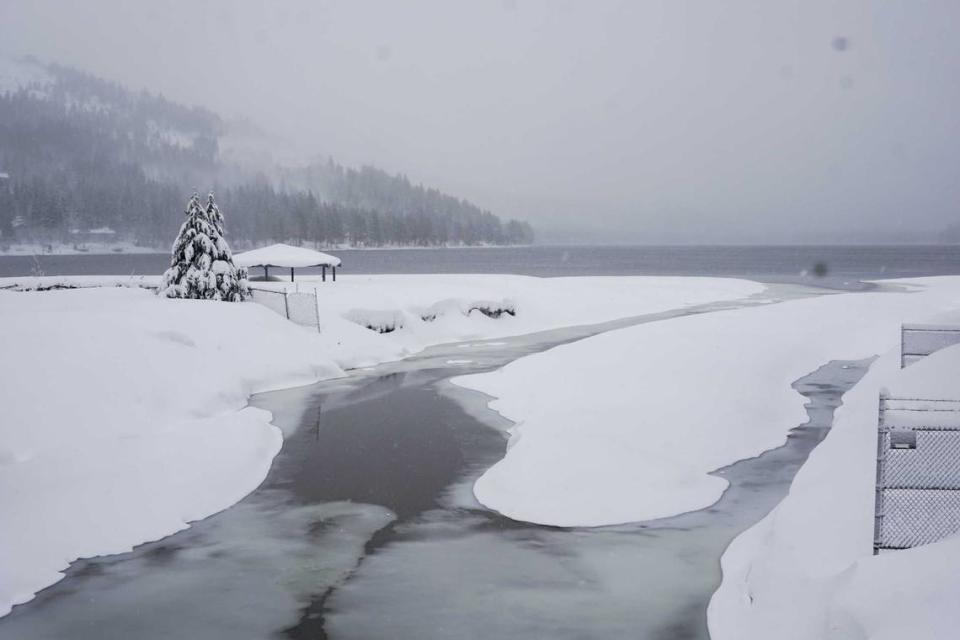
(625, 121)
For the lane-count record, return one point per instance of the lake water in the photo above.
(841, 265)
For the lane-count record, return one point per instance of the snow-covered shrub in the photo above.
(385, 321)
(202, 263)
(442, 308)
(493, 309)
(489, 308)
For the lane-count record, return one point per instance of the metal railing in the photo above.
(918, 472)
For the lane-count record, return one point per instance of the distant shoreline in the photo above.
(37, 249)
(128, 248)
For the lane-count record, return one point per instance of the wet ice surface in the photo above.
(459, 571)
(366, 527)
(242, 573)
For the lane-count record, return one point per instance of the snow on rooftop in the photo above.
(283, 255)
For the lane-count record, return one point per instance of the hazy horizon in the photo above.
(618, 122)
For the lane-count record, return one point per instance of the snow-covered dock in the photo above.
(285, 256)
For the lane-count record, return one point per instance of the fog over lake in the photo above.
(450, 320)
(603, 121)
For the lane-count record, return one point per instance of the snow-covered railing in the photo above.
(920, 340)
(301, 307)
(918, 472)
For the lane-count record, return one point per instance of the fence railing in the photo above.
(301, 307)
(918, 472)
(920, 340)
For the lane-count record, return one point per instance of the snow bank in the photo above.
(124, 414)
(366, 319)
(381, 321)
(806, 570)
(124, 419)
(627, 426)
(449, 308)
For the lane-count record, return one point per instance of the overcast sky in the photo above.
(630, 121)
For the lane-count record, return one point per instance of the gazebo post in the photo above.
(266, 272)
(291, 274)
(334, 267)
(323, 276)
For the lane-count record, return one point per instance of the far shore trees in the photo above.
(144, 166)
(202, 264)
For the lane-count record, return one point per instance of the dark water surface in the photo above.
(366, 527)
(842, 264)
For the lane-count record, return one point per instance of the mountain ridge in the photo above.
(82, 153)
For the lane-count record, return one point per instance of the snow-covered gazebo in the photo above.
(287, 257)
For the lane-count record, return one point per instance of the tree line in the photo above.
(82, 154)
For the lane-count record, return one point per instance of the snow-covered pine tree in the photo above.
(202, 263)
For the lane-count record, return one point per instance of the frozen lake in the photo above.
(366, 528)
(843, 265)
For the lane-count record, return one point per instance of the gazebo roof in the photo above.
(283, 255)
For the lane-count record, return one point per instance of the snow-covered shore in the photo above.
(628, 425)
(807, 572)
(125, 414)
(107, 248)
(124, 419)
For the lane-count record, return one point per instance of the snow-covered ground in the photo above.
(124, 414)
(124, 419)
(540, 303)
(628, 425)
(450, 302)
(807, 571)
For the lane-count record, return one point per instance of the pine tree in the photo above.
(202, 264)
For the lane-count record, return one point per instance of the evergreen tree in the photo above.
(202, 264)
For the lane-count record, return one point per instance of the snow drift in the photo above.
(807, 571)
(124, 420)
(125, 414)
(628, 425)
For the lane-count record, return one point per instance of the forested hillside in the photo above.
(78, 154)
